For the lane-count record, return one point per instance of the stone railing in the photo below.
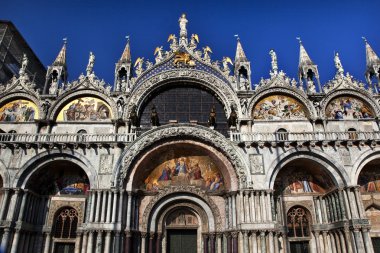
(66, 138)
(304, 136)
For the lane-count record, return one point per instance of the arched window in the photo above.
(352, 134)
(282, 134)
(298, 222)
(65, 224)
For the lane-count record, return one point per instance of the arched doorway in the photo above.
(64, 230)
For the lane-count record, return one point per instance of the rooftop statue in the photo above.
(182, 25)
(174, 43)
(24, 64)
(158, 54)
(338, 64)
(273, 55)
(206, 56)
(139, 66)
(90, 65)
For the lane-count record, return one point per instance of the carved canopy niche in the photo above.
(279, 107)
(85, 109)
(20, 110)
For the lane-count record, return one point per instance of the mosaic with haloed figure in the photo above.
(348, 108)
(85, 109)
(18, 111)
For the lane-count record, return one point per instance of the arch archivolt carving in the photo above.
(170, 195)
(42, 159)
(348, 92)
(222, 89)
(183, 131)
(22, 95)
(334, 168)
(67, 98)
(283, 91)
(365, 158)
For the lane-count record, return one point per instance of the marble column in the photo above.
(233, 197)
(205, 243)
(4, 203)
(254, 242)
(263, 242)
(342, 242)
(104, 204)
(367, 241)
(262, 206)
(143, 238)
(127, 242)
(346, 204)
(121, 207)
(84, 242)
(276, 246)
(151, 242)
(90, 244)
(114, 206)
(317, 241)
(253, 209)
(353, 205)
(359, 203)
(234, 242)
(245, 242)
(109, 205)
(229, 243)
(129, 207)
(219, 242)
(350, 244)
(269, 205)
(99, 241)
(22, 207)
(16, 239)
(158, 242)
(98, 202)
(77, 242)
(107, 244)
(358, 241)
(270, 238)
(5, 239)
(247, 217)
(47, 243)
(212, 243)
(92, 210)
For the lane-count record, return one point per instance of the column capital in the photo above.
(234, 234)
(143, 234)
(151, 235)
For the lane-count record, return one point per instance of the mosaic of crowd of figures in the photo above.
(279, 107)
(85, 109)
(18, 111)
(61, 180)
(199, 171)
(348, 108)
(298, 180)
(369, 180)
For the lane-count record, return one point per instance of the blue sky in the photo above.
(101, 27)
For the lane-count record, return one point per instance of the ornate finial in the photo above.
(90, 65)
(237, 37)
(364, 38)
(126, 56)
(64, 40)
(299, 40)
(127, 37)
(61, 57)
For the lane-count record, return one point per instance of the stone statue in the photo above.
(120, 107)
(212, 117)
(158, 54)
(232, 120)
(338, 64)
(24, 64)
(244, 105)
(90, 65)
(139, 66)
(273, 55)
(45, 108)
(206, 56)
(194, 41)
(182, 25)
(174, 43)
(133, 117)
(154, 117)
(148, 64)
(225, 62)
(53, 87)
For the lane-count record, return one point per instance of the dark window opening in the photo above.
(310, 75)
(66, 222)
(352, 134)
(122, 73)
(54, 76)
(282, 134)
(298, 222)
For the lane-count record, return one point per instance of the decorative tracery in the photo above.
(298, 222)
(66, 222)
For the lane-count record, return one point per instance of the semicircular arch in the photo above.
(22, 95)
(333, 168)
(67, 98)
(292, 93)
(364, 159)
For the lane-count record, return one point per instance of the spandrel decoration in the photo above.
(85, 109)
(279, 107)
(198, 171)
(19, 111)
(348, 108)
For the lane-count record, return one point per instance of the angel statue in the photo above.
(182, 25)
(226, 69)
(338, 64)
(273, 55)
(158, 54)
(139, 66)
(174, 44)
(24, 64)
(90, 65)
(206, 56)
(194, 41)
(148, 64)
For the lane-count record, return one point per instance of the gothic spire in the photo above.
(126, 56)
(304, 56)
(371, 56)
(240, 55)
(61, 57)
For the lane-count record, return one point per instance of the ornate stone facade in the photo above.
(89, 168)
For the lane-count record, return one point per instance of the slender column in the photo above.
(271, 246)
(121, 208)
(234, 242)
(342, 242)
(98, 202)
(90, 244)
(262, 206)
(323, 213)
(158, 243)
(359, 203)
(107, 243)
(353, 205)
(229, 243)
(219, 242)
(245, 242)
(325, 243)
(367, 241)
(84, 242)
(5, 239)
(127, 243)
(338, 243)
(263, 243)
(346, 204)
(269, 199)
(276, 246)
(77, 242)
(212, 243)
(117, 243)
(254, 242)
(317, 242)
(114, 206)
(99, 241)
(205, 243)
(333, 242)
(246, 207)
(16, 239)
(239, 212)
(22, 207)
(143, 237)
(358, 241)
(252, 201)
(342, 204)
(92, 211)
(47, 243)
(129, 207)
(350, 245)
(151, 242)
(233, 211)
(104, 204)
(5, 203)
(230, 219)
(109, 205)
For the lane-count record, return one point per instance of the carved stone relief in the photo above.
(105, 164)
(256, 164)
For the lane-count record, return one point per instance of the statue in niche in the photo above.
(120, 107)
(232, 120)
(273, 55)
(154, 117)
(244, 105)
(212, 117)
(133, 117)
(90, 65)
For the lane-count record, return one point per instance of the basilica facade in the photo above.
(186, 154)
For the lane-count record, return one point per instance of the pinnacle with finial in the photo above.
(304, 56)
(240, 55)
(371, 56)
(61, 57)
(126, 56)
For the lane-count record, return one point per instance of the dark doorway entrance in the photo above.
(64, 247)
(376, 244)
(182, 241)
(299, 247)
